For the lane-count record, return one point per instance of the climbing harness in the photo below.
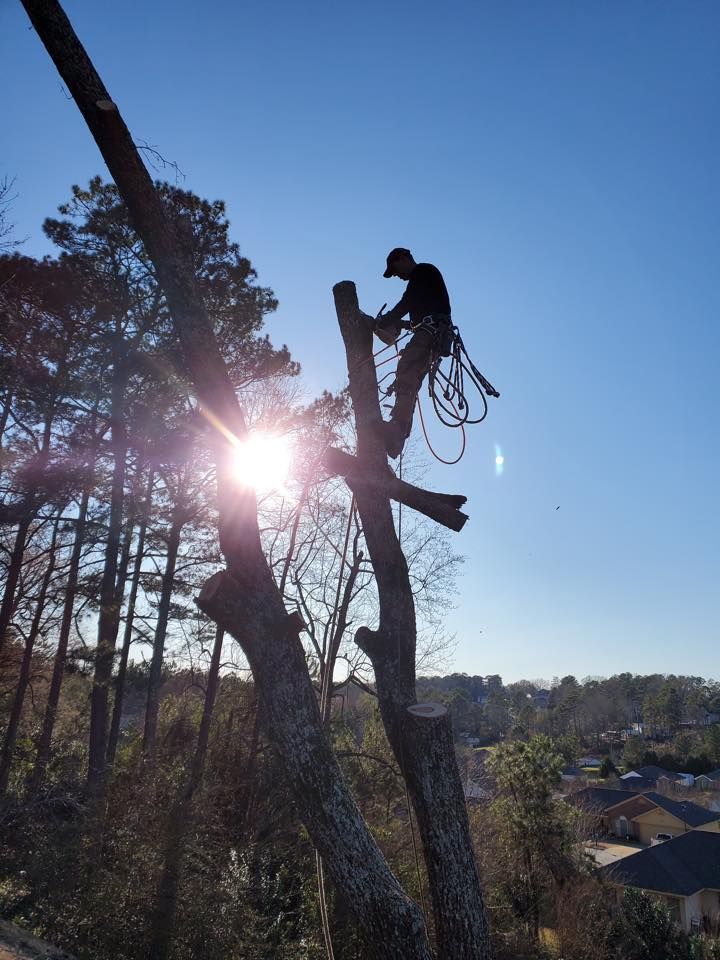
(448, 386)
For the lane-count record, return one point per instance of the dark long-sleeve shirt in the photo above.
(425, 294)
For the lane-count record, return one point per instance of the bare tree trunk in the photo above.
(13, 574)
(7, 406)
(163, 922)
(423, 747)
(43, 752)
(127, 635)
(153, 694)
(25, 667)
(245, 600)
(109, 618)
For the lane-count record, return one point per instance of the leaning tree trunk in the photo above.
(7, 406)
(109, 618)
(26, 666)
(127, 634)
(7, 608)
(153, 694)
(245, 599)
(44, 744)
(423, 745)
(164, 917)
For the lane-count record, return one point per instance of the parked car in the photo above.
(660, 838)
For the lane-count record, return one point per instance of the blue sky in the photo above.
(558, 161)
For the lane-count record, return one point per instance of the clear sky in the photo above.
(559, 162)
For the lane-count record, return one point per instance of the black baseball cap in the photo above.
(392, 257)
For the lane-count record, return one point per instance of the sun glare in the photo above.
(263, 462)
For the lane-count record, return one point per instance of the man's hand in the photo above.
(388, 334)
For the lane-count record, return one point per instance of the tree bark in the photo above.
(423, 747)
(153, 693)
(251, 609)
(127, 634)
(7, 406)
(43, 751)
(164, 918)
(109, 618)
(26, 666)
(13, 574)
(444, 508)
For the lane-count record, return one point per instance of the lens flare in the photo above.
(263, 461)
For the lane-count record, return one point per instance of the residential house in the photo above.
(636, 784)
(708, 781)
(673, 817)
(684, 873)
(592, 762)
(642, 816)
(613, 810)
(573, 774)
(657, 776)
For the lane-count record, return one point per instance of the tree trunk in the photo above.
(164, 918)
(13, 574)
(43, 752)
(245, 600)
(423, 747)
(29, 508)
(26, 666)
(7, 406)
(109, 618)
(444, 508)
(127, 635)
(153, 694)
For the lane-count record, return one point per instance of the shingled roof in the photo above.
(713, 775)
(690, 813)
(598, 799)
(679, 867)
(651, 772)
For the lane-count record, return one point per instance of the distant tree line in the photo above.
(657, 716)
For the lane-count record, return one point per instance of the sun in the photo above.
(263, 461)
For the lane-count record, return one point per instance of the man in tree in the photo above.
(427, 302)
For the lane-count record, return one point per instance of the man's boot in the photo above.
(394, 437)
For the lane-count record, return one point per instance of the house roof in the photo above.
(637, 784)
(632, 806)
(690, 813)
(651, 772)
(680, 867)
(713, 775)
(598, 799)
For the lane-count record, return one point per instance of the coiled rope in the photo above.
(448, 390)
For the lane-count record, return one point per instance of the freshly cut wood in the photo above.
(429, 711)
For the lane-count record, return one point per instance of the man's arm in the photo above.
(394, 317)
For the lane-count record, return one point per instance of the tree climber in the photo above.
(426, 300)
